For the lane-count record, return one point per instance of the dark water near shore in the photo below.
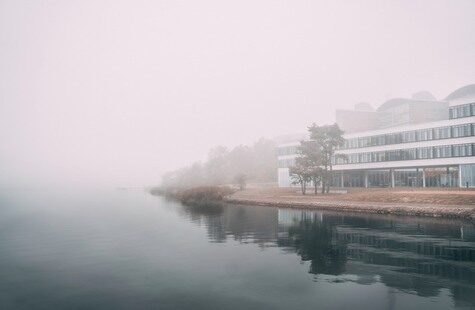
(130, 250)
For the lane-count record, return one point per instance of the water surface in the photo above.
(129, 250)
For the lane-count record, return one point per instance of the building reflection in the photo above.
(420, 256)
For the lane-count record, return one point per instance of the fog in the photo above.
(119, 92)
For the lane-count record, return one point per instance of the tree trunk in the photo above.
(330, 178)
(325, 180)
(315, 185)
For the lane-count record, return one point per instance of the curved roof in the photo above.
(391, 103)
(423, 95)
(465, 91)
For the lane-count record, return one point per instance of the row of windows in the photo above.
(464, 110)
(457, 131)
(287, 150)
(444, 151)
(286, 163)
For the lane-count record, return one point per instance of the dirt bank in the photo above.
(421, 202)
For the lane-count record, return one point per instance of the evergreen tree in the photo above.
(327, 138)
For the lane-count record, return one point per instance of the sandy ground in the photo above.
(452, 203)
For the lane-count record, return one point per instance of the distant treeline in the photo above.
(257, 163)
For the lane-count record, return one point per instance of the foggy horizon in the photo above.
(117, 93)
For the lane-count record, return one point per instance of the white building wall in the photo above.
(284, 177)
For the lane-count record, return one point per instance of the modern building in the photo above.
(416, 142)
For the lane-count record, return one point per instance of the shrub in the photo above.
(204, 195)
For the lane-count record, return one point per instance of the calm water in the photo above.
(130, 250)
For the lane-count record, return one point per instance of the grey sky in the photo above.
(117, 92)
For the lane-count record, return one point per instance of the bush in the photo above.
(157, 191)
(201, 196)
(204, 195)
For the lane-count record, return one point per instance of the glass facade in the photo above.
(468, 175)
(425, 134)
(457, 131)
(405, 177)
(443, 151)
(353, 179)
(441, 177)
(442, 133)
(425, 153)
(464, 110)
(408, 177)
(461, 150)
(464, 130)
(379, 178)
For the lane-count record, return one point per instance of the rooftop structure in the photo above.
(421, 108)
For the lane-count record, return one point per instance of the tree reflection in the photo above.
(419, 256)
(312, 241)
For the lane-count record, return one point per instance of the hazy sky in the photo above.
(117, 92)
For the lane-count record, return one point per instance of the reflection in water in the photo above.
(417, 256)
(129, 250)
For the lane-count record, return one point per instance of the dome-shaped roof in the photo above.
(423, 95)
(466, 91)
(391, 103)
(364, 106)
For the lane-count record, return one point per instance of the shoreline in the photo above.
(466, 212)
(454, 212)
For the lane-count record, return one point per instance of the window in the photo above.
(462, 150)
(442, 133)
(378, 140)
(462, 130)
(393, 155)
(460, 111)
(286, 163)
(424, 135)
(408, 154)
(364, 142)
(380, 156)
(365, 157)
(424, 153)
(341, 161)
(353, 158)
(442, 151)
(409, 136)
(394, 138)
(352, 143)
